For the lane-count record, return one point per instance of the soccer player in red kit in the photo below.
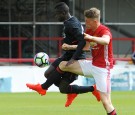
(100, 39)
(102, 55)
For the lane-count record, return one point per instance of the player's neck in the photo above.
(96, 26)
(68, 16)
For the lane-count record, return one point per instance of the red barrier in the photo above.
(21, 60)
(20, 39)
(127, 39)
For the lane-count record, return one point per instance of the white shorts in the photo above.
(101, 75)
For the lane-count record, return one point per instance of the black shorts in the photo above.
(60, 59)
(67, 76)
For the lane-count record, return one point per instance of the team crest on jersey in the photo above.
(93, 44)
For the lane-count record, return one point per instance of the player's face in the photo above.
(89, 23)
(59, 16)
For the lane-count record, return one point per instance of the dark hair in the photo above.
(62, 6)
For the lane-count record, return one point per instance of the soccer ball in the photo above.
(41, 59)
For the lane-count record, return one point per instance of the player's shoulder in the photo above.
(104, 27)
(73, 22)
(105, 30)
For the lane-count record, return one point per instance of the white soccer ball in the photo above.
(41, 59)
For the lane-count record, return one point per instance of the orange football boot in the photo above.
(70, 98)
(96, 93)
(36, 87)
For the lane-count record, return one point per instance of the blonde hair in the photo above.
(93, 13)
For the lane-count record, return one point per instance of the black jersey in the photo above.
(73, 35)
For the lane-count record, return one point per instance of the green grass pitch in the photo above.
(53, 104)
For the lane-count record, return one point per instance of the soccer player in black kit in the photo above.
(73, 45)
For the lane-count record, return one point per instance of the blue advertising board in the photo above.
(5, 84)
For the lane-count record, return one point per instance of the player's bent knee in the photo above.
(62, 65)
(46, 74)
(63, 88)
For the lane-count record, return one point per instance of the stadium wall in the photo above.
(14, 78)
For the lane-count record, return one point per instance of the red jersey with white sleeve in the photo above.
(102, 55)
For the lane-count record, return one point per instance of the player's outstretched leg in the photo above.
(96, 93)
(70, 98)
(36, 87)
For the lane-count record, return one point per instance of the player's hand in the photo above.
(65, 46)
(84, 34)
(88, 37)
(71, 61)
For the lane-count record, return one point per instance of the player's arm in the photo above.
(81, 42)
(79, 36)
(73, 47)
(69, 47)
(104, 40)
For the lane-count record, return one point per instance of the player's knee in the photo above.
(46, 74)
(62, 65)
(63, 89)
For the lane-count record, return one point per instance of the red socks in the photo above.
(112, 113)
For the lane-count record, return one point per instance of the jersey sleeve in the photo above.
(78, 35)
(106, 32)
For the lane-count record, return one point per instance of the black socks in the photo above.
(53, 77)
(79, 89)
